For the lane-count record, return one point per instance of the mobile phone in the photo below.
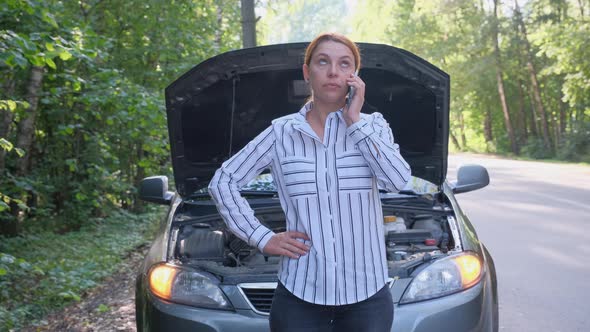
(351, 91)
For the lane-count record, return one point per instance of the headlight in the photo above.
(186, 286)
(443, 277)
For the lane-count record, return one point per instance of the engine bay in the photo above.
(206, 242)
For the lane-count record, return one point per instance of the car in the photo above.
(198, 276)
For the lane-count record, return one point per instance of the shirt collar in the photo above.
(308, 107)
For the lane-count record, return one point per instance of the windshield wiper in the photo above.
(263, 193)
(401, 192)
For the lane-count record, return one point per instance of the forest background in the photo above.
(82, 114)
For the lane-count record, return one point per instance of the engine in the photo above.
(212, 247)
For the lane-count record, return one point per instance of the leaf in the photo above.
(65, 55)
(50, 63)
(69, 295)
(48, 18)
(49, 47)
(27, 45)
(37, 60)
(6, 145)
(6, 259)
(103, 308)
(3, 206)
(20, 152)
(38, 270)
(72, 164)
(7, 59)
(11, 104)
(20, 60)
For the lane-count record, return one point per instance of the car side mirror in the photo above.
(471, 177)
(155, 189)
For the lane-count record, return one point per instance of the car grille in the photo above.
(259, 295)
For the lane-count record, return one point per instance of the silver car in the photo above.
(198, 276)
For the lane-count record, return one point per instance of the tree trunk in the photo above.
(555, 123)
(248, 24)
(522, 115)
(138, 204)
(540, 108)
(535, 129)
(487, 129)
(462, 127)
(500, 81)
(562, 116)
(534, 82)
(455, 142)
(9, 224)
(6, 117)
(26, 127)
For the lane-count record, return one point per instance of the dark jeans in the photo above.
(290, 314)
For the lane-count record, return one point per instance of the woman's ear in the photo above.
(306, 72)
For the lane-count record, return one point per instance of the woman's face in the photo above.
(331, 63)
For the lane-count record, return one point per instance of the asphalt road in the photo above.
(534, 217)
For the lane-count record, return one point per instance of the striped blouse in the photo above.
(329, 189)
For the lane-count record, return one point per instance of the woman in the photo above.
(328, 162)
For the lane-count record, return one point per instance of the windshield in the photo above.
(264, 182)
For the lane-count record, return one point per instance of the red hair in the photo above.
(335, 37)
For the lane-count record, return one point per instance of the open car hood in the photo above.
(221, 104)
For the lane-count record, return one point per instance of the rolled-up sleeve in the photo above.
(235, 173)
(374, 139)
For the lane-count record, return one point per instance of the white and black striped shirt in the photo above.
(329, 189)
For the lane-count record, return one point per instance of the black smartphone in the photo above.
(351, 91)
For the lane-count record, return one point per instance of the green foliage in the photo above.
(456, 35)
(576, 145)
(100, 122)
(103, 308)
(41, 272)
(534, 148)
(568, 45)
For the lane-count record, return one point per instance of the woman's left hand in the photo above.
(352, 112)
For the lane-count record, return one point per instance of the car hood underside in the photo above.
(221, 104)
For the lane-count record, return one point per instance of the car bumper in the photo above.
(166, 316)
(465, 311)
(469, 310)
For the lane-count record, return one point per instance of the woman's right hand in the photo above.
(286, 244)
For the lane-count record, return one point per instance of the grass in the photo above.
(43, 272)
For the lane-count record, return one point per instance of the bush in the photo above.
(535, 149)
(45, 271)
(576, 145)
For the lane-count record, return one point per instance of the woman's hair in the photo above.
(335, 37)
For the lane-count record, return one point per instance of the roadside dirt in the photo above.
(107, 307)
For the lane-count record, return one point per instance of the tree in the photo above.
(82, 100)
(500, 80)
(248, 23)
(539, 106)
